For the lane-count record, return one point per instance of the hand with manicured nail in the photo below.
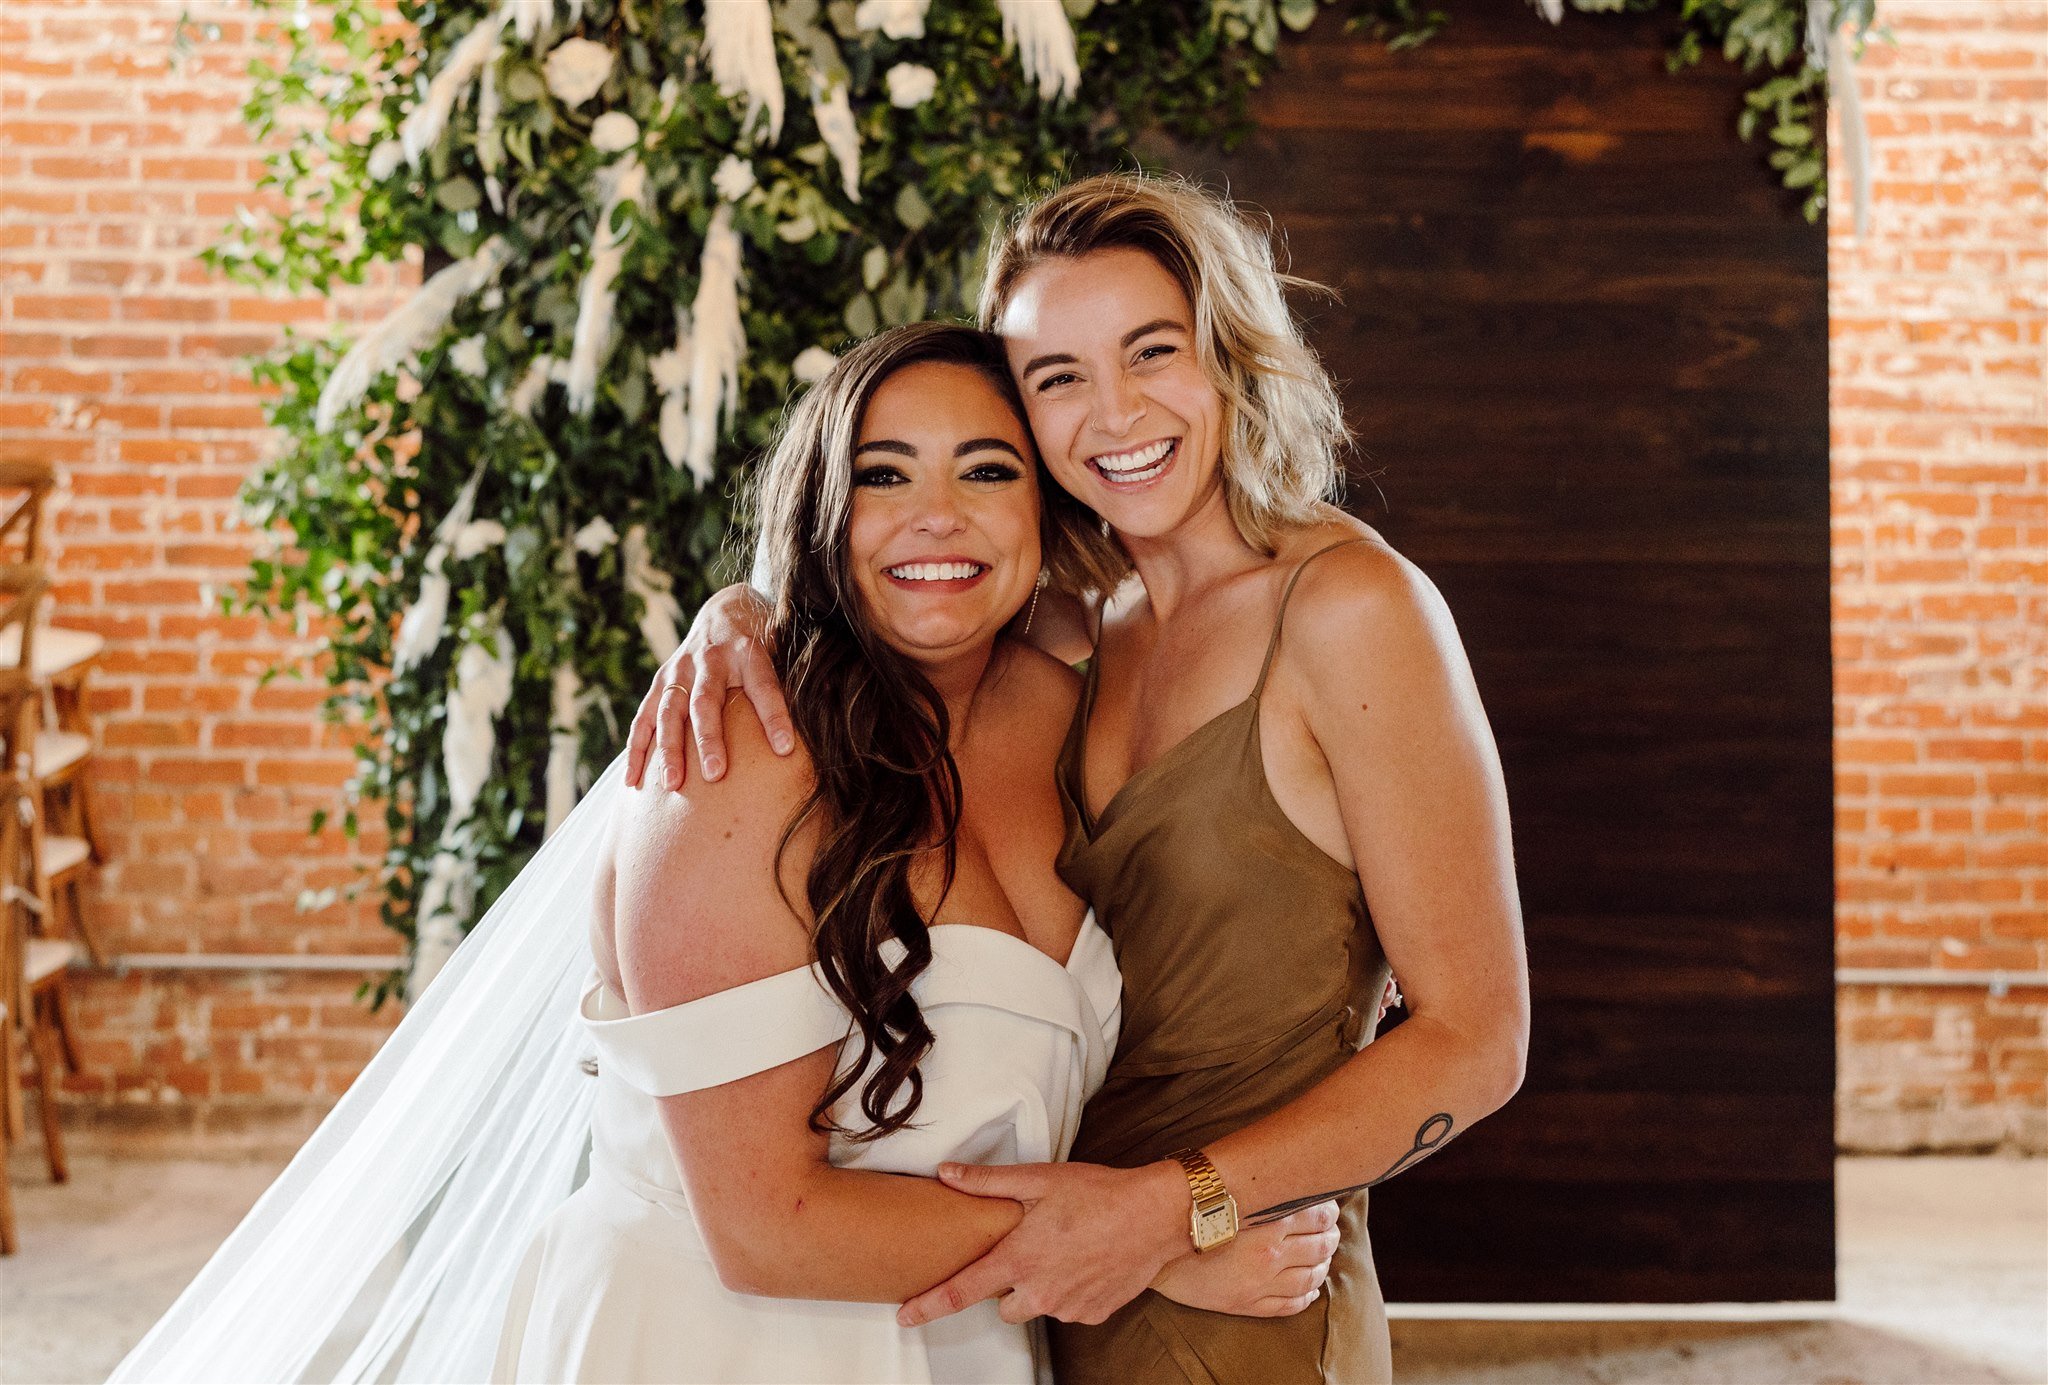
(723, 653)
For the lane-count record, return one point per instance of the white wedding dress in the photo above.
(617, 1285)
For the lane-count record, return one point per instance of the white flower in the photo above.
(734, 178)
(385, 158)
(669, 370)
(475, 536)
(467, 356)
(797, 230)
(613, 131)
(577, 70)
(910, 84)
(596, 536)
(812, 364)
(493, 299)
(898, 19)
(408, 387)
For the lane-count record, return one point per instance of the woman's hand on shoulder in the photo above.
(1270, 1271)
(697, 907)
(723, 651)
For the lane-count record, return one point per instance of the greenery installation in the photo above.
(645, 222)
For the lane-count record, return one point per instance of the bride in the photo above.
(806, 986)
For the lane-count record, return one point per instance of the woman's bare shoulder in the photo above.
(1037, 690)
(1361, 597)
(701, 894)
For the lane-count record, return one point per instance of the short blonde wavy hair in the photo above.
(1284, 424)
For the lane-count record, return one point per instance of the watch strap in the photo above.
(1203, 1181)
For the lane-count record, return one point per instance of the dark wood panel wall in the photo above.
(1583, 339)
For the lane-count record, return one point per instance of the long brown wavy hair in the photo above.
(887, 789)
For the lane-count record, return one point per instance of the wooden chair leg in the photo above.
(69, 906)
(43, 1041)
(60, 1020)
(6, 1201)
(10, 1099)
(81, 801)
(13, 1113)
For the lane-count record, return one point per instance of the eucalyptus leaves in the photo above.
(646, 221)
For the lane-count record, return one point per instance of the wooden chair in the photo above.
(39, 955)
(35, 971)
(11, 1118)
(13, 937)
(6, 1184)
(59, 662)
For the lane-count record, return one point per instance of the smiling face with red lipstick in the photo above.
(943, 535)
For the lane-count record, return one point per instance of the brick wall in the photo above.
(1941, 578)
(118, 360)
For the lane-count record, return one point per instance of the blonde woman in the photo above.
(1279, 783)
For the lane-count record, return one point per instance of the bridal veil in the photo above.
(386, 1250)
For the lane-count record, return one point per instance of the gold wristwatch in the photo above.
(1213, 1222)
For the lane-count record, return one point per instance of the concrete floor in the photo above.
(1943, 1272)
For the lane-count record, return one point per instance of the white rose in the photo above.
(812, 364)
(910, 84)
(385, 158)
(613, 131)
(577, 69)
(899, 19)
(467, 356)
(734, 178)
(596, 536)
(475, 536)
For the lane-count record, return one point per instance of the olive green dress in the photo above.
(1251, 972)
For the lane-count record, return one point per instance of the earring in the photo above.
(1032, 610)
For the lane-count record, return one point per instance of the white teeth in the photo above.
(935, 572)
(1140, 465)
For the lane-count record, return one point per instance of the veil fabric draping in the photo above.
(386, 1250)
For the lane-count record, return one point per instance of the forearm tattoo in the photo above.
(1431, 1137)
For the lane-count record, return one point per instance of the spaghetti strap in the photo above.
(1273, 644)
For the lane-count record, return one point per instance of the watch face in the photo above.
(1214, 1225)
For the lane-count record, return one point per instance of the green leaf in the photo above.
(1804, 175)
(896, 304)
(459, 195)
(860, 316)
(631, 388)
(911, 208)
(874, 266)
(525, 85)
